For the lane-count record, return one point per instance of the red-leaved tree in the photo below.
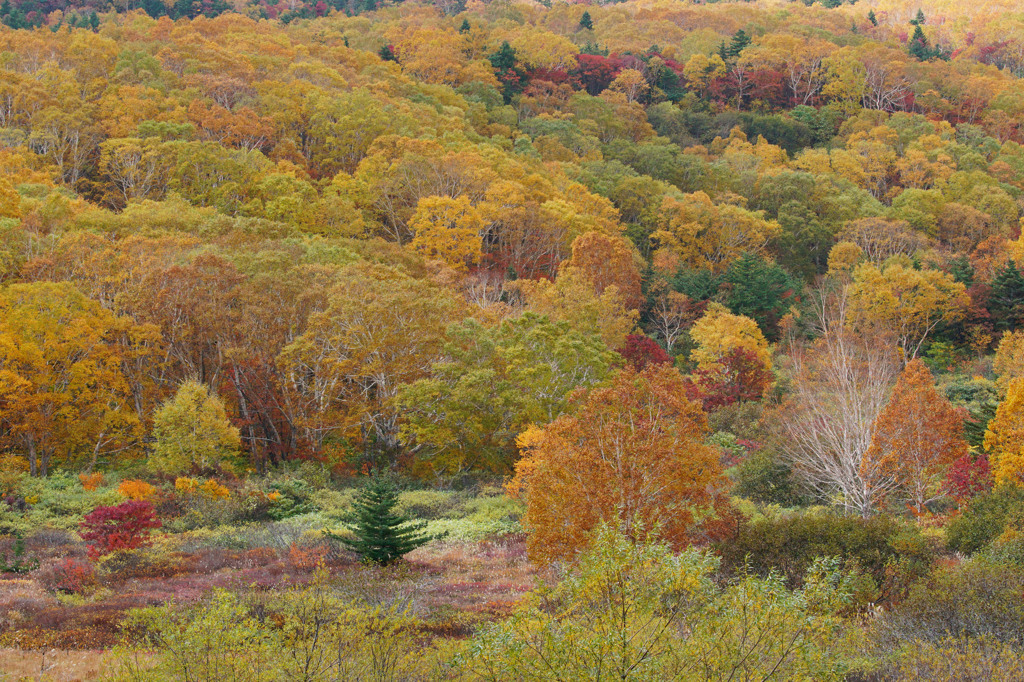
(967, 477)
(124, 526)
(739, 376)
(641, 351)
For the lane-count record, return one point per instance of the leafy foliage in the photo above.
(122, 527)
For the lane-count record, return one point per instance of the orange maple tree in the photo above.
(631, 455)
(917, 436)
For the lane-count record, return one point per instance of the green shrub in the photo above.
(428, 504)
(985, 519)
(975, 599)
(1007, 549)
(762, 477)
(57, 501)
(891, 552)
(644, 612)
(290, 497)
(313, 633)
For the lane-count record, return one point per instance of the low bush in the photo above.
(125, 526)
(136, 490)
(131, 564)
(956, 660)
(645, 612)
(979, 598)
(429, 504)
(289, 497)
(308, 633)
(91, 481)
(985, 519)
(763, 477)
(890, 552)
(71, 576)
(56, 501)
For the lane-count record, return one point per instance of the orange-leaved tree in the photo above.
(631, 455)
(917, 436)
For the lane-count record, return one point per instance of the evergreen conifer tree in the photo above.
(382, 535)
(919, 48)
(1006, 303)
(872, 18)
(740, 40)
(586, 22)
(465, 26)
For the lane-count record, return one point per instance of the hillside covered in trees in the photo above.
(500, 340)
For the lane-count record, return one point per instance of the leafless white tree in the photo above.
(841, 382)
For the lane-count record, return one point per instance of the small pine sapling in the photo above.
(382, 535)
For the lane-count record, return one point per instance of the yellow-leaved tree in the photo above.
(192, 430)
(1009, 360)
(572, 298)
(720, 332)
(904, 302)
(63, 389)
(1004, 438)
(447, 229)
(703, 234)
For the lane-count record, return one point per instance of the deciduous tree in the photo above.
(630, 455)
(192, 431)
(1004, 438)
(917, 437)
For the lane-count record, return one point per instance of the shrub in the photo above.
(304, 556)
(429, 504)
(144, 562)
(312, 633)
(642, 611)
(985, 519)
(975, 599)
(957, 660)
(125, 526)
(968, 477)
(136, 490)
(289, 497)
(765, 478)
(70, 575)
(219, 640)
(209, 488)
(91, 481)
(883, 548)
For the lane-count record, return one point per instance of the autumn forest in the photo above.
(511, 340)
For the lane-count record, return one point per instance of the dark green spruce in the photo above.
(382, 535)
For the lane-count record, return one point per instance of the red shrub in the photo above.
(125, 526)
(69, 575)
